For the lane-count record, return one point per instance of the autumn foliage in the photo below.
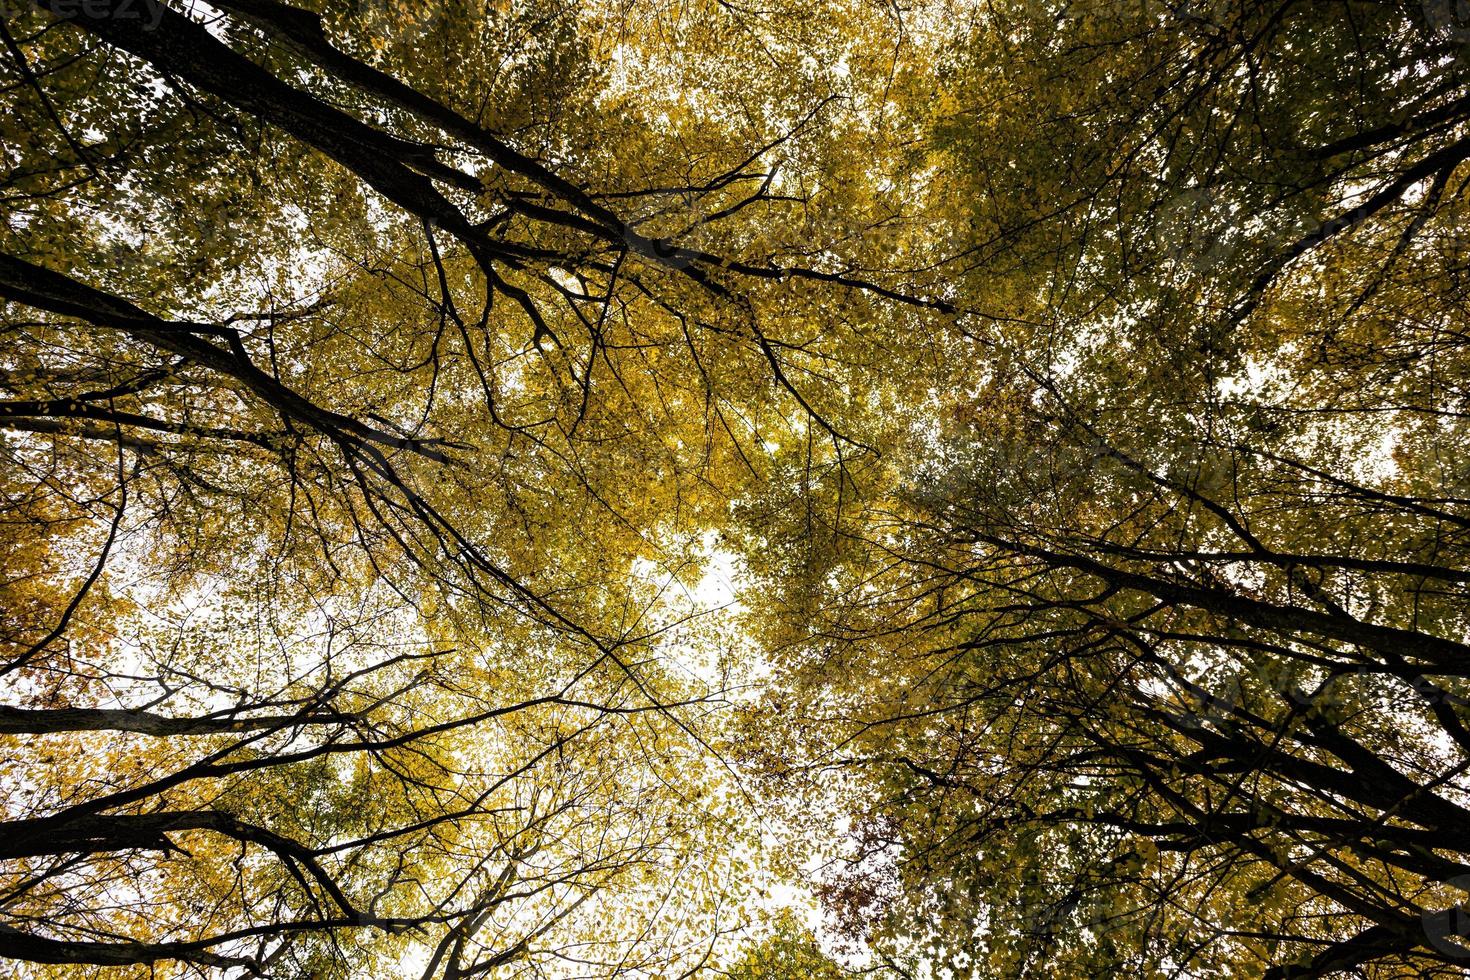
(596, 489)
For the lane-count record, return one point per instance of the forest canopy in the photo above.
(609, 488)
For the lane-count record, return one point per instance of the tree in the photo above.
(328, 393)
(790, 950)
(1078, 388)
(1151, 653)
